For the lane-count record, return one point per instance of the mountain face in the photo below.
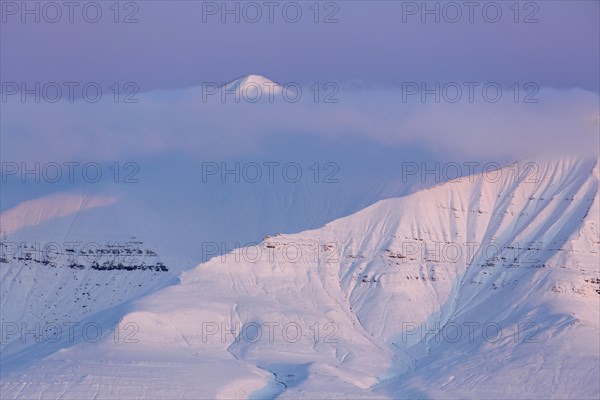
(69, 256)
(484, 286)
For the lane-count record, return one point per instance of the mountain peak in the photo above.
(253, 88)
(252, 81)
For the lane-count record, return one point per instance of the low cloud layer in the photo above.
(189, 122)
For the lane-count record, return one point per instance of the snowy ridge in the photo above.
(373, 294)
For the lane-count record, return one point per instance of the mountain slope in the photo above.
(71, 256)
(476, 287)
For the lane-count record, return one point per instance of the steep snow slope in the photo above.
(71, 255)
(484, 286)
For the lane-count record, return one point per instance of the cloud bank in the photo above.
(188, 122)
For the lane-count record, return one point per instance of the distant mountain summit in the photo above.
(253, 88)
(250, 81)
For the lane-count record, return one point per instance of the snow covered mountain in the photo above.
(70, 255)
(251, 88)
(485, 286)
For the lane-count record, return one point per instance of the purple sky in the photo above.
(171, 46)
